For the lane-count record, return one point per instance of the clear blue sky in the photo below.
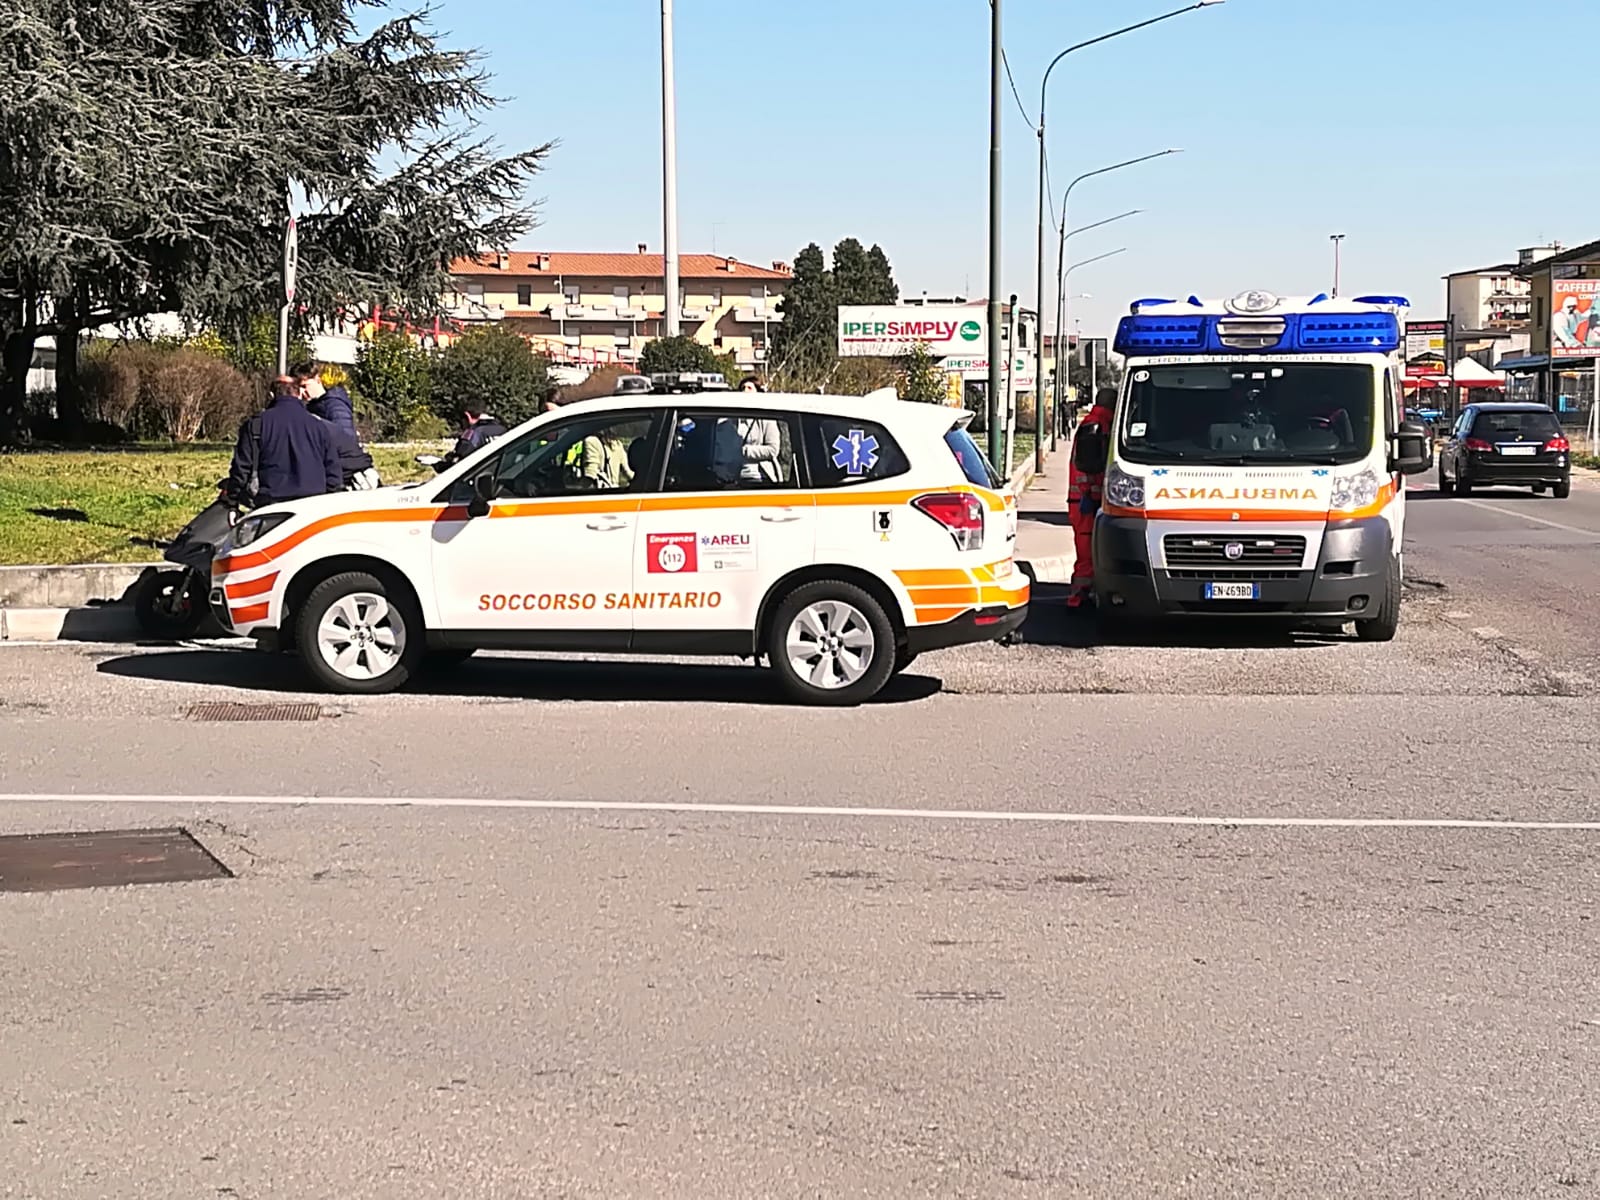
(1400, 125)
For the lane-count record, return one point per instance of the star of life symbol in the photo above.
(856, 454)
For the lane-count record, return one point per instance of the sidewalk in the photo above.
(1044, 539)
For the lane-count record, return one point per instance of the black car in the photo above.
(1506, 445)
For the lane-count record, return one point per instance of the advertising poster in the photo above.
(1575, 318)
(1427, 343)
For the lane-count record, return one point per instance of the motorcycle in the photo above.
(172, 604)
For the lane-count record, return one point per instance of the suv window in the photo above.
(974, 463)
(842, 451)
(719, 450)
(1509, 426)
(608, 452)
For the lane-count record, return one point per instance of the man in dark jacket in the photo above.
(287, 452)
(478, 430)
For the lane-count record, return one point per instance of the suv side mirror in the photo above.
(1413, 450)
(483, 490)
(1090, 449)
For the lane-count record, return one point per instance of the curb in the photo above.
(72, 585)
(107, 623)
(1021, 478)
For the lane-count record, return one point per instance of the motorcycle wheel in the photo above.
(170, 604)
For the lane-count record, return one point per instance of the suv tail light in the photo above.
(1480, 444)
(961, 513)
(1558, 443)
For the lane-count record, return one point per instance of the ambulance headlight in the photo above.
(1356, 490)
(253, 529)
(1124, 490)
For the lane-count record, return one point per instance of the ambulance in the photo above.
(1256, 463)
(835, 538)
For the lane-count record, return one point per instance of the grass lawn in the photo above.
(74, 506)
(1021, 450)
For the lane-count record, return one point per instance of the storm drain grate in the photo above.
(230, 710)
(58, 862)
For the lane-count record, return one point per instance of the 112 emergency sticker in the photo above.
(671, 553)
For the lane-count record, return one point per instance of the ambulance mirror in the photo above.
(1413, 451)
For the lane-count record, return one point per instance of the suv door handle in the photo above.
(606, 524)
(779, 518)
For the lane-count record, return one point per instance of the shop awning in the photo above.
(1471, 373)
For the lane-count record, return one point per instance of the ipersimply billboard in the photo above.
(1575, 318)
(885, 330)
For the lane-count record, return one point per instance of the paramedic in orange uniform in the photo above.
(1084, 492)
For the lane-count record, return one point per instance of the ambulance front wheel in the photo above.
(831, 644)
(1386, 622)
(358, 635)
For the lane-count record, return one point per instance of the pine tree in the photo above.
(148, 149)
(804, 348)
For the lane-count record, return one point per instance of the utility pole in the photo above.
(669, 174)
(1335, 238)
(996, 350)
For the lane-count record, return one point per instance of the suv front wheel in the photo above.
(831, 644)
(358, 635)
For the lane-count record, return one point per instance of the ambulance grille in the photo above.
(1283, 552)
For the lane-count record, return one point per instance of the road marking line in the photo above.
(802, 810)
(1511, 512)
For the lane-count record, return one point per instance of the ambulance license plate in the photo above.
(1233, 591)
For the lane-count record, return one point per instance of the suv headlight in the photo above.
(1124, 490)
(1355, 490)
(254, 528)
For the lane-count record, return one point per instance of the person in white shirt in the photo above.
(760, 443)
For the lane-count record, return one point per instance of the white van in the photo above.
(1257, 462)
(835, 537)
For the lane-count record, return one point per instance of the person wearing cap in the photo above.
(1084, 492)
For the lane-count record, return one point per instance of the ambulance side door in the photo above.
(550, 562)
(729, 518)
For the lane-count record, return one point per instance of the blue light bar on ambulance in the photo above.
(1303, 333)
(1259, 322)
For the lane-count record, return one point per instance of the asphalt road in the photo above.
(1209, 914)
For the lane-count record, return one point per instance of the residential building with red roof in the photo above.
(600, 308)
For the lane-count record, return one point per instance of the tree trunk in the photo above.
(16, 356)
(69, 395)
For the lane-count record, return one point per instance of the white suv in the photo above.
(834, 537)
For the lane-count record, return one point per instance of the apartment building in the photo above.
(1491, 308)
(586, 308)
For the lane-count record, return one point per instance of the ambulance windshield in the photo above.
(1239, 413)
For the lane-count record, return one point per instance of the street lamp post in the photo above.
(669, 174)
(1061, 253)
(1044, 85)
(1067, 274)
(1066, 197)
(1335, 238)
(996, 443)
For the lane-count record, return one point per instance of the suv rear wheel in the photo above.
(831, 644)
(358, 635)
(1563, 489)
